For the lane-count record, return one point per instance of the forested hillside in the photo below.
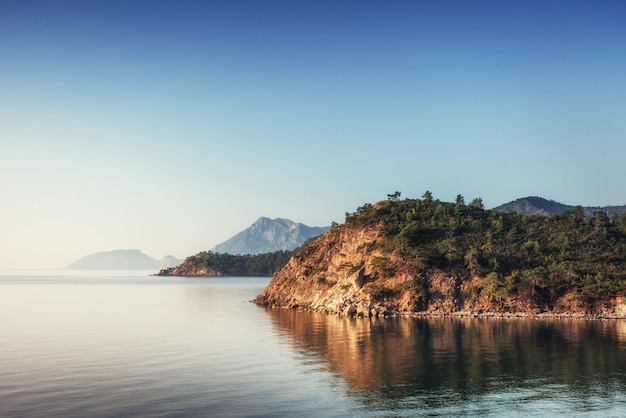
(535, 255)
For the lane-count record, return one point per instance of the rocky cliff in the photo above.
(364, 268)
(337, 273)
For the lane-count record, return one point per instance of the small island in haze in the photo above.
(425, 256)
(122, 260)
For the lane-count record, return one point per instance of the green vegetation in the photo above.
(413, 287)
(377, 291)
(240, 265)
(382, 266)
(322, 280)
(539, 258)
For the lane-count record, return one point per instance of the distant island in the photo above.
(425, 256)
(122, 260)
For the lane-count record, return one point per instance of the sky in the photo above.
(169, 126)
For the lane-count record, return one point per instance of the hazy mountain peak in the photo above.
(268, 235)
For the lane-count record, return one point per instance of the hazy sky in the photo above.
(169, 126)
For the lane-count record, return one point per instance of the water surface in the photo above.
(122, 344)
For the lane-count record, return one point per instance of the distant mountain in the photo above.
(169, 261)
(535, 205)
(122, 260)
(268, 235)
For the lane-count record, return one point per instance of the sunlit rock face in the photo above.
(344, 272)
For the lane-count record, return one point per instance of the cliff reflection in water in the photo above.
(400, 357)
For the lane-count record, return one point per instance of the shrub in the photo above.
(377, 291)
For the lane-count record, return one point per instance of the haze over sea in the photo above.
(110, 344)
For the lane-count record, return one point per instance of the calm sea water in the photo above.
(123, 344)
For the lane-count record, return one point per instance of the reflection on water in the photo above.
(487, 365)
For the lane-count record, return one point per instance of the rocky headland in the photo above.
(210, 264)
(426, 257)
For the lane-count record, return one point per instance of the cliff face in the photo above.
(346, 271)
(343, 272)
(328, 275)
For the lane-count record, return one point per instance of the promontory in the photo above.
(428, 257)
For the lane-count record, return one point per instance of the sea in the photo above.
(127, 344)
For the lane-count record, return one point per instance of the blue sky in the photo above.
(170, 126)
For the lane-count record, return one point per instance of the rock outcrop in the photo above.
(344, 272)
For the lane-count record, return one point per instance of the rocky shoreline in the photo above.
(521, 315)
(381, 312)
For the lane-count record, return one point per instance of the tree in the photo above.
(394, 197)
(428, 196)
(477, 203)
(621, 222)
(460, 200)
(471, 261)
